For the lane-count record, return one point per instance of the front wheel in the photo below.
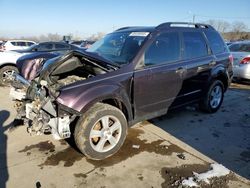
(6, 75)
(213, 98)
(101, 131)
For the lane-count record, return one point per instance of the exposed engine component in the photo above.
(69, 80)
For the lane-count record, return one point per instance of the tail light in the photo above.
(245, 60)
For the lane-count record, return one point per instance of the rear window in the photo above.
(215, 42)
(194, 45)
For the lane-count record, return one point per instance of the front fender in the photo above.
(96, 94)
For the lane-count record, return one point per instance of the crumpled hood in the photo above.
(29, 65)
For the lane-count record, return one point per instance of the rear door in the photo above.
(159, 81)
(199, 62)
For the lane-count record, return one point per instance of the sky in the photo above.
(83, 18)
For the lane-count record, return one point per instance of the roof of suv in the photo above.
(166, 25)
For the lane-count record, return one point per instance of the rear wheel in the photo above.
(6, 73)
(213, 98)
(101, 131)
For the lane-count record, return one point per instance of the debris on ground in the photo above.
(181, 156)
(136, 146)
(217, 170)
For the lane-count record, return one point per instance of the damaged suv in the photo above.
(132, 74)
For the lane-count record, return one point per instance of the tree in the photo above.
(97, 36)
(220, 25)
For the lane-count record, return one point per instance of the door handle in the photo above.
(212, 63)
(180, 70)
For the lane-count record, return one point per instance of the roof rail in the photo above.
(183, 24)
(122, 28)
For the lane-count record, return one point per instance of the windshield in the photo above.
(120, 47)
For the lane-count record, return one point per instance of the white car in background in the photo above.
(241, 54)
(8, 66)
(17, 45)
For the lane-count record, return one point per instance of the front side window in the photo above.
(165, 48)
(194, 45)
(119, 47)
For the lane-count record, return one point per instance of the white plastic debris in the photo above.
(136, 146)
(217, 170)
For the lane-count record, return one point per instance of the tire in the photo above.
(5, 75)
(107, 138)
(213, 97)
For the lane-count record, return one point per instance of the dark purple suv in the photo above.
(132, 74)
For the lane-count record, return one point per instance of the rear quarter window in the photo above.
(194, 45)
(215, 42)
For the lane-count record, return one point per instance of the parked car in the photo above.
(82, 43)
(76, 43)
(45, 50)
(87, 44)
(17, 45)
(241, 54)
(1, 45)
(132, 74)
(8, 66)
(49, 47)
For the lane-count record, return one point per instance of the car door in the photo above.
(158, 82)
(199, 61)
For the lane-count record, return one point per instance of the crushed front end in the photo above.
(37, 107)
(36, 100)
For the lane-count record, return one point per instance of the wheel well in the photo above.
(224, 80)
(118, 104)
(7, 64)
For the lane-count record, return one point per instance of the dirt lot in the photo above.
(150, 157)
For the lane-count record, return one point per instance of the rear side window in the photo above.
(194, 45)
(21, 43)
(45, 47)
(215, 42)
(166, 48)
